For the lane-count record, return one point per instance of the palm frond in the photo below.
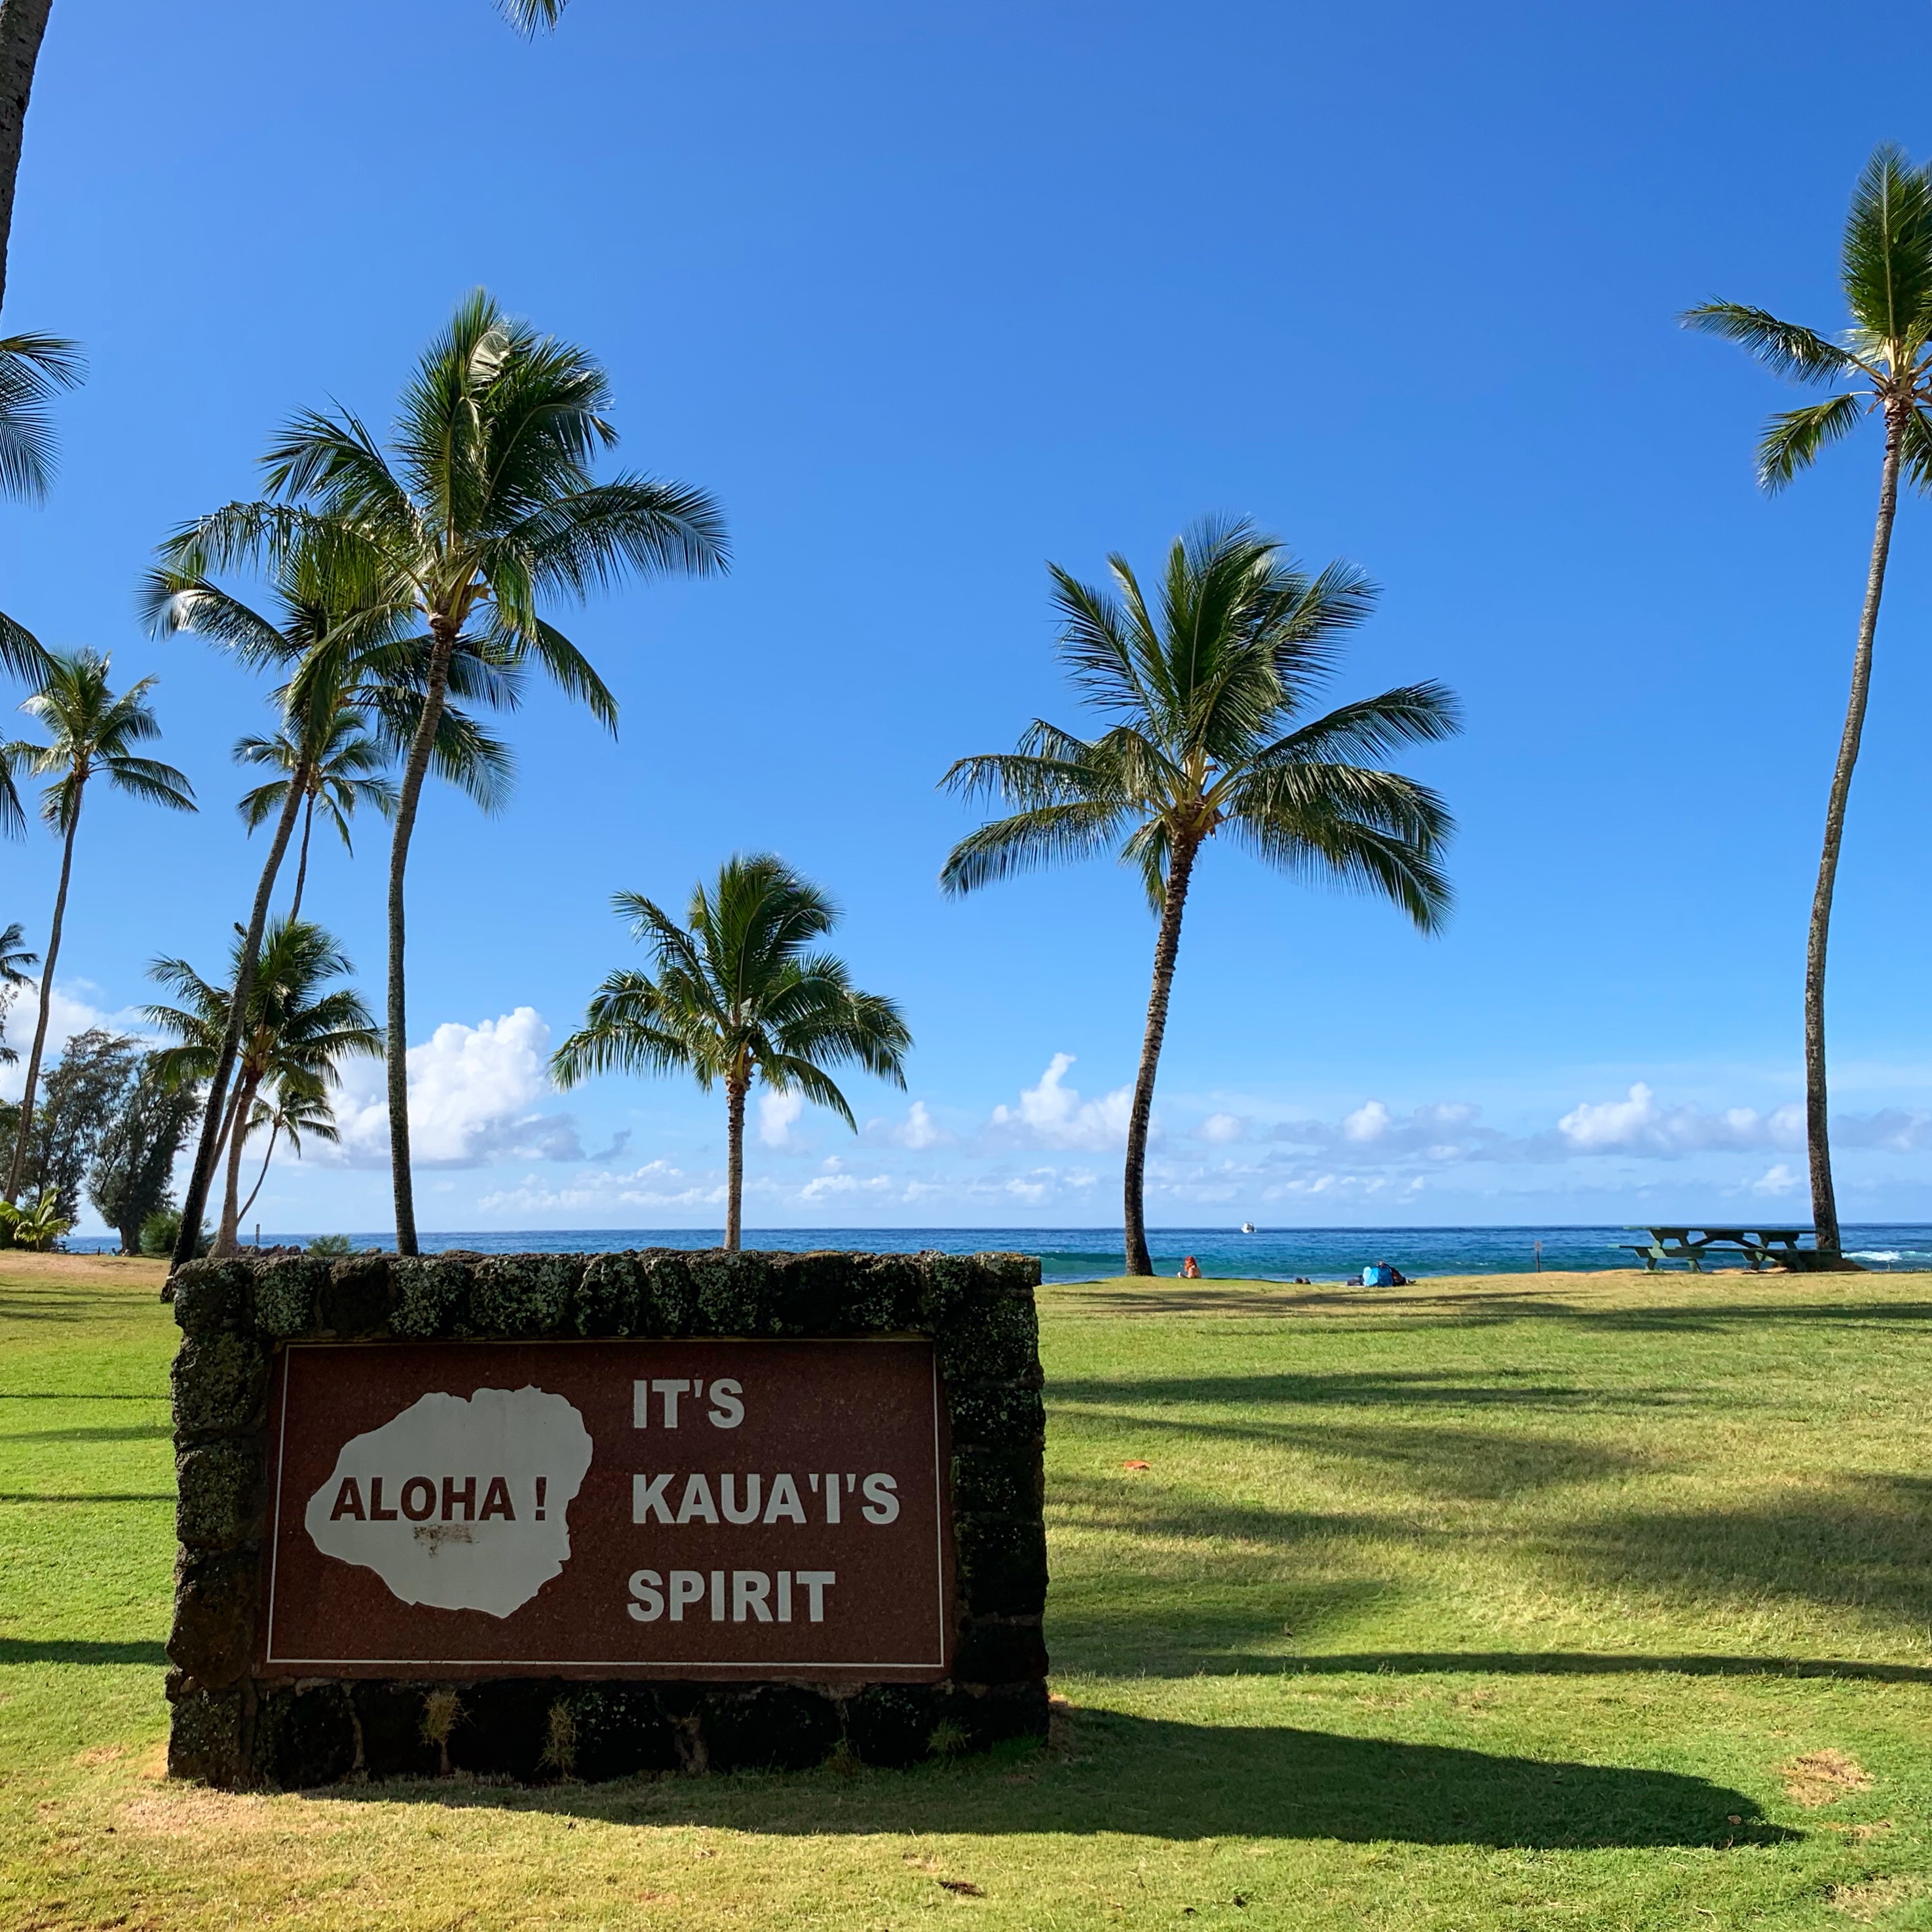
(1787, 349)
(34, 369)
(1044, 836)
(1792, 440)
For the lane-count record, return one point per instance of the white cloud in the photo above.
(919, 1129)
(1776, 1180)
(823, 1186)
(70, 1013)
(472, 1096)
(656, 1184)
(1639, 1125)
(1053, 1114)
(778, 1113)
(1223, 1128)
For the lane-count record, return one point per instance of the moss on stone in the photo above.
(356, 1297)
(220, 1491)
(1002, 1564)
(210, 1295)
(607, 1296)
(213, 1639)
(995, 1413)
(205, 1736)
(286, 1290)
(429, 1298)
(221, 1382)
(519, 1297)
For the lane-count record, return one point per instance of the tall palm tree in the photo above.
(345, 768)
(1202, 692)
(485, 502)
(738, 997)
(345, 633)
(1882, 366)
(91, 733)
(298, 1027)
(14, 960)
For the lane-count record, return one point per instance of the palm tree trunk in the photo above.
(1166, 946)
(194, 1201)
(396, 1043)
(301, 866)
(1824, 1197)
(22, 24)
(735, 1091)
(15, 1173)
(275, 1133)
(230, 1238)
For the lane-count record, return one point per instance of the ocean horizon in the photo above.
(1091, 1254)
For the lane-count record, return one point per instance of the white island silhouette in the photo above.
(459, 1504)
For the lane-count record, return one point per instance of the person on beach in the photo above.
(1190, 1269)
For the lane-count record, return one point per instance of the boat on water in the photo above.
(1247, 1227)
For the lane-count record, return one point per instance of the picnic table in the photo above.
(1758, 1245)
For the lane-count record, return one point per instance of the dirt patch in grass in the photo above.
(1865, 1902)
(83, 1270)
(1823, 1776)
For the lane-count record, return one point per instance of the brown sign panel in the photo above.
(673, 1509)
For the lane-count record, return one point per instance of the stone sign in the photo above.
(555, 1516)
(674, 1509)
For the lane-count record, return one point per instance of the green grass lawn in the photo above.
(1549, 1601)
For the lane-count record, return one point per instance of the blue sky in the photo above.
(927, 297)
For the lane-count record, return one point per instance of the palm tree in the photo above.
(298, 1106)
(298, 1027)
(737, 997)
(1202, 693)
(486, 502)
(346, 631)
(345, 768)
(90, 733)
(1881, 366)
(32, 369)
(14, 960)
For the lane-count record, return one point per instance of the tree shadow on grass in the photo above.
(1372, 1388)
(1158, 1779)
(1863, 1542)
(1464, 1464)
(25, 1650)
(133, 1431)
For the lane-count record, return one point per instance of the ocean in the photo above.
(1088, 1254)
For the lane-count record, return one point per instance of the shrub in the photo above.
(162, 1229)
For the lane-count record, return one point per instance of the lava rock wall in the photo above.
(232, 1727)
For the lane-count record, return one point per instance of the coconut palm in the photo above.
(91, 734)
(298, 1105)
(346, 635)
(737, 997)
(345, 768)
(1881, 366)
(485, 502)
(1202, 693)
(14, 960)
(298, 1027)
(32, 369)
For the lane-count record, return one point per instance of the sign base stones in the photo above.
(546, 1516)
